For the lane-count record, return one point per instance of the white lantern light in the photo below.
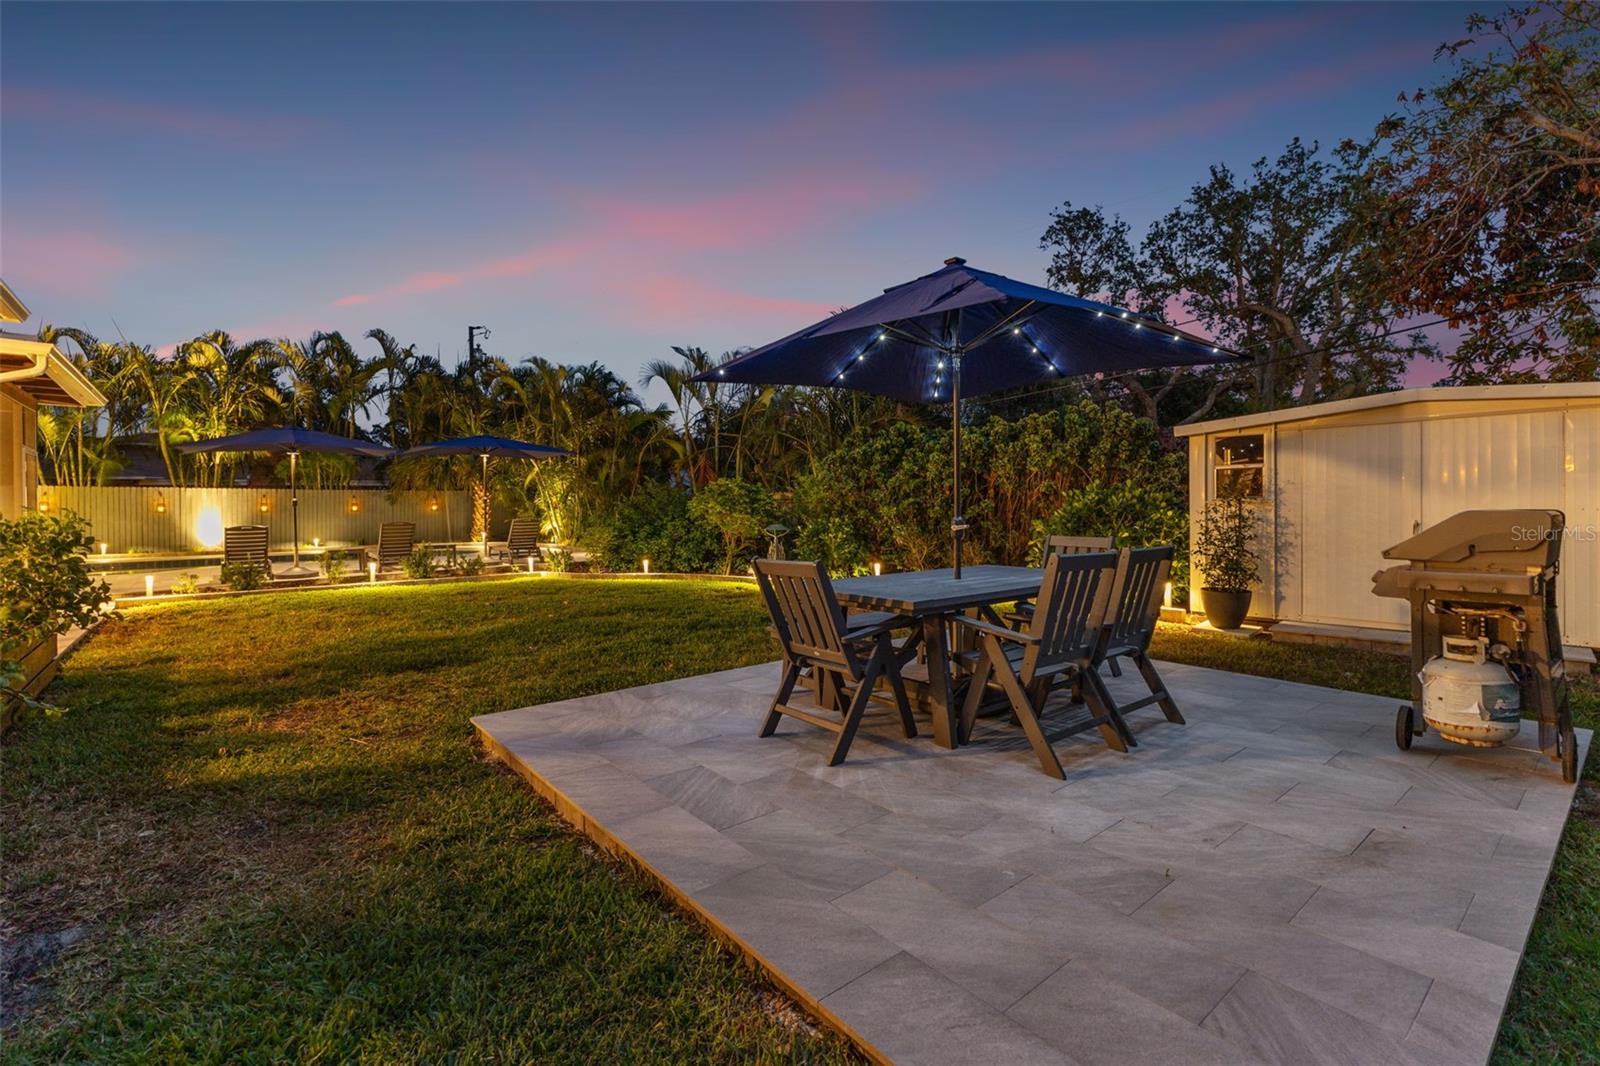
(646, 563)
(372, 571)
(149, 585)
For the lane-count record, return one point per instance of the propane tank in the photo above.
(1467, 698)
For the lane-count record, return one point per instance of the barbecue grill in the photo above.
(1486, 580)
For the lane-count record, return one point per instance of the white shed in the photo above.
(1339, 482)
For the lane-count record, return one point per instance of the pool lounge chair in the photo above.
(395, 542)
(522, 541)
(247, 544)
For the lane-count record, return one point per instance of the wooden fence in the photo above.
(166, 519)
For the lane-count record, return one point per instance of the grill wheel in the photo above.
(1404, 720)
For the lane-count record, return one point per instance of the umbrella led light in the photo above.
(925, 319)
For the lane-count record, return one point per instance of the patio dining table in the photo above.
(932, 597)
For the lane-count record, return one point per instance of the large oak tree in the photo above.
(1279, 264)
(1493, 185)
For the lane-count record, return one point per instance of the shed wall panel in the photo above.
(1579, 590)
(1358, 495)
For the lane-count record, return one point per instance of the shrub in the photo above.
(1136, 514)
(470, 564)
(887, 489)
(243, 575)
(187, 585)
(334, 565)
(45, 584)
(559, 560)
(654, 523)
(1222, 545)
(419, 563)
(738, 510)
(833, 542)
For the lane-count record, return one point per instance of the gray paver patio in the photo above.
(1273, 882)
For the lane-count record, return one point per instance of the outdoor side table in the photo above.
(932, 597)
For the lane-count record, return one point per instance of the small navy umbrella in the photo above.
(965, 331)
(486, 448)
(290, 441)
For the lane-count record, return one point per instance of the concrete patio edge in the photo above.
(575, 816)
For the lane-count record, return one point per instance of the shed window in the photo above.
(1240, 464)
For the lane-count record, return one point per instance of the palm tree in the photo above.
(686, 392)
(229, 388)
(396, 362)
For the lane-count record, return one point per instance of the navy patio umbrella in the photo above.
(962, 331)
(290, 441)
(486, 448)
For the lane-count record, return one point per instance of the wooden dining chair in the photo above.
(815, 637)
(1131, 623)
(1063, 545)
(1056, 647)
(1060, 544)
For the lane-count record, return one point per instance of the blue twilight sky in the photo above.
(599, 182)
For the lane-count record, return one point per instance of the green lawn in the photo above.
(271, 820)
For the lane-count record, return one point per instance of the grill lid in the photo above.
(1515, 539)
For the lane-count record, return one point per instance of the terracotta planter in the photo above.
(1226, 610)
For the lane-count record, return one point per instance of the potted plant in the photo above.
(45, 589)
(1222, 545)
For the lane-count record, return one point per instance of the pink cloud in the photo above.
(512, 266)
(888, 100)
(679, 301)
(66, 260)
(612, 234)
(1231, 109)
(416, 283)
(77, 108)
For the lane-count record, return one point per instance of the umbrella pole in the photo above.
(294, 508)
(958, 525)
(486, 508)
